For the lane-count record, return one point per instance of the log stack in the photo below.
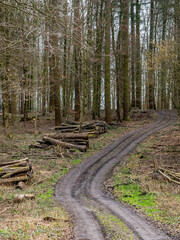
(79, 141)
(15, 171)
(97, 127)
(73, 135)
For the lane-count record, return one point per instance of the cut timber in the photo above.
(13, 162)
(64, 144)
(77, 141)
(20, 164)
(69, 130)
(73, 123)
(69, 136)
(15, 179)
(16, 171)
(21, 197)
(67, 127)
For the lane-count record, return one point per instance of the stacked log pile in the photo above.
(97, 127)
(79, 141)
(73, 135)
(15, 171)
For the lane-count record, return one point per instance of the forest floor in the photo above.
(42, 218)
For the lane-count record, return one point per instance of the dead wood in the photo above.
(13, 162)
(16, 171)
(20, 164)
(15, 179)
(67, 127)
(167, 177)
(69, 136)
(64, 144)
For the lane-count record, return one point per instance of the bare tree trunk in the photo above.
(54, 70)
(125, 57)
(151, 65)
(138, 58)
(77, 57)
(107, 60)
(177, 72)
(133, 78)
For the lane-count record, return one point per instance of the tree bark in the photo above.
(125, 57)
(64, 144)
(133, 42)
(77, 57)
(138, 57)
(107, 60)
(152, 104)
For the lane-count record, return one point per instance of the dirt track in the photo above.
(81, 190)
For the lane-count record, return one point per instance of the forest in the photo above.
(88, 58)
(89, 125)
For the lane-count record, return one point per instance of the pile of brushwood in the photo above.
(15, 171)
(166, 173)
(73, 135)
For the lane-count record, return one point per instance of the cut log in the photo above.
(21, 185)
(16, 171)
(64, 144)
(20, 164)
(69, 136)
(73, 123)
(77, 141)
(13, 162)
(15, 179)
(8, 170)
(69, 130)
(67, 127)
(21, 197)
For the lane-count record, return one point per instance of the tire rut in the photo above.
(81, 191)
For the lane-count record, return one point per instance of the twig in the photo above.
(4, 210)
(170, 179)
(175, 175)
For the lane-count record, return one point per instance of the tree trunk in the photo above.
(125, 56)
(138, 57)
(151, 65)
(77, 57)
(133, 79)
(54, 70)
(107, 60)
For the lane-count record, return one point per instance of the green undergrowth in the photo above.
(135, 196)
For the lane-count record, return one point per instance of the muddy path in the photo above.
(81, 191)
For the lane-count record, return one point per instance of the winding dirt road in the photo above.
(96, 215)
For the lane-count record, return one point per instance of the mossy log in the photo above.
(14, 179)
(16, 171)
(13, 162)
